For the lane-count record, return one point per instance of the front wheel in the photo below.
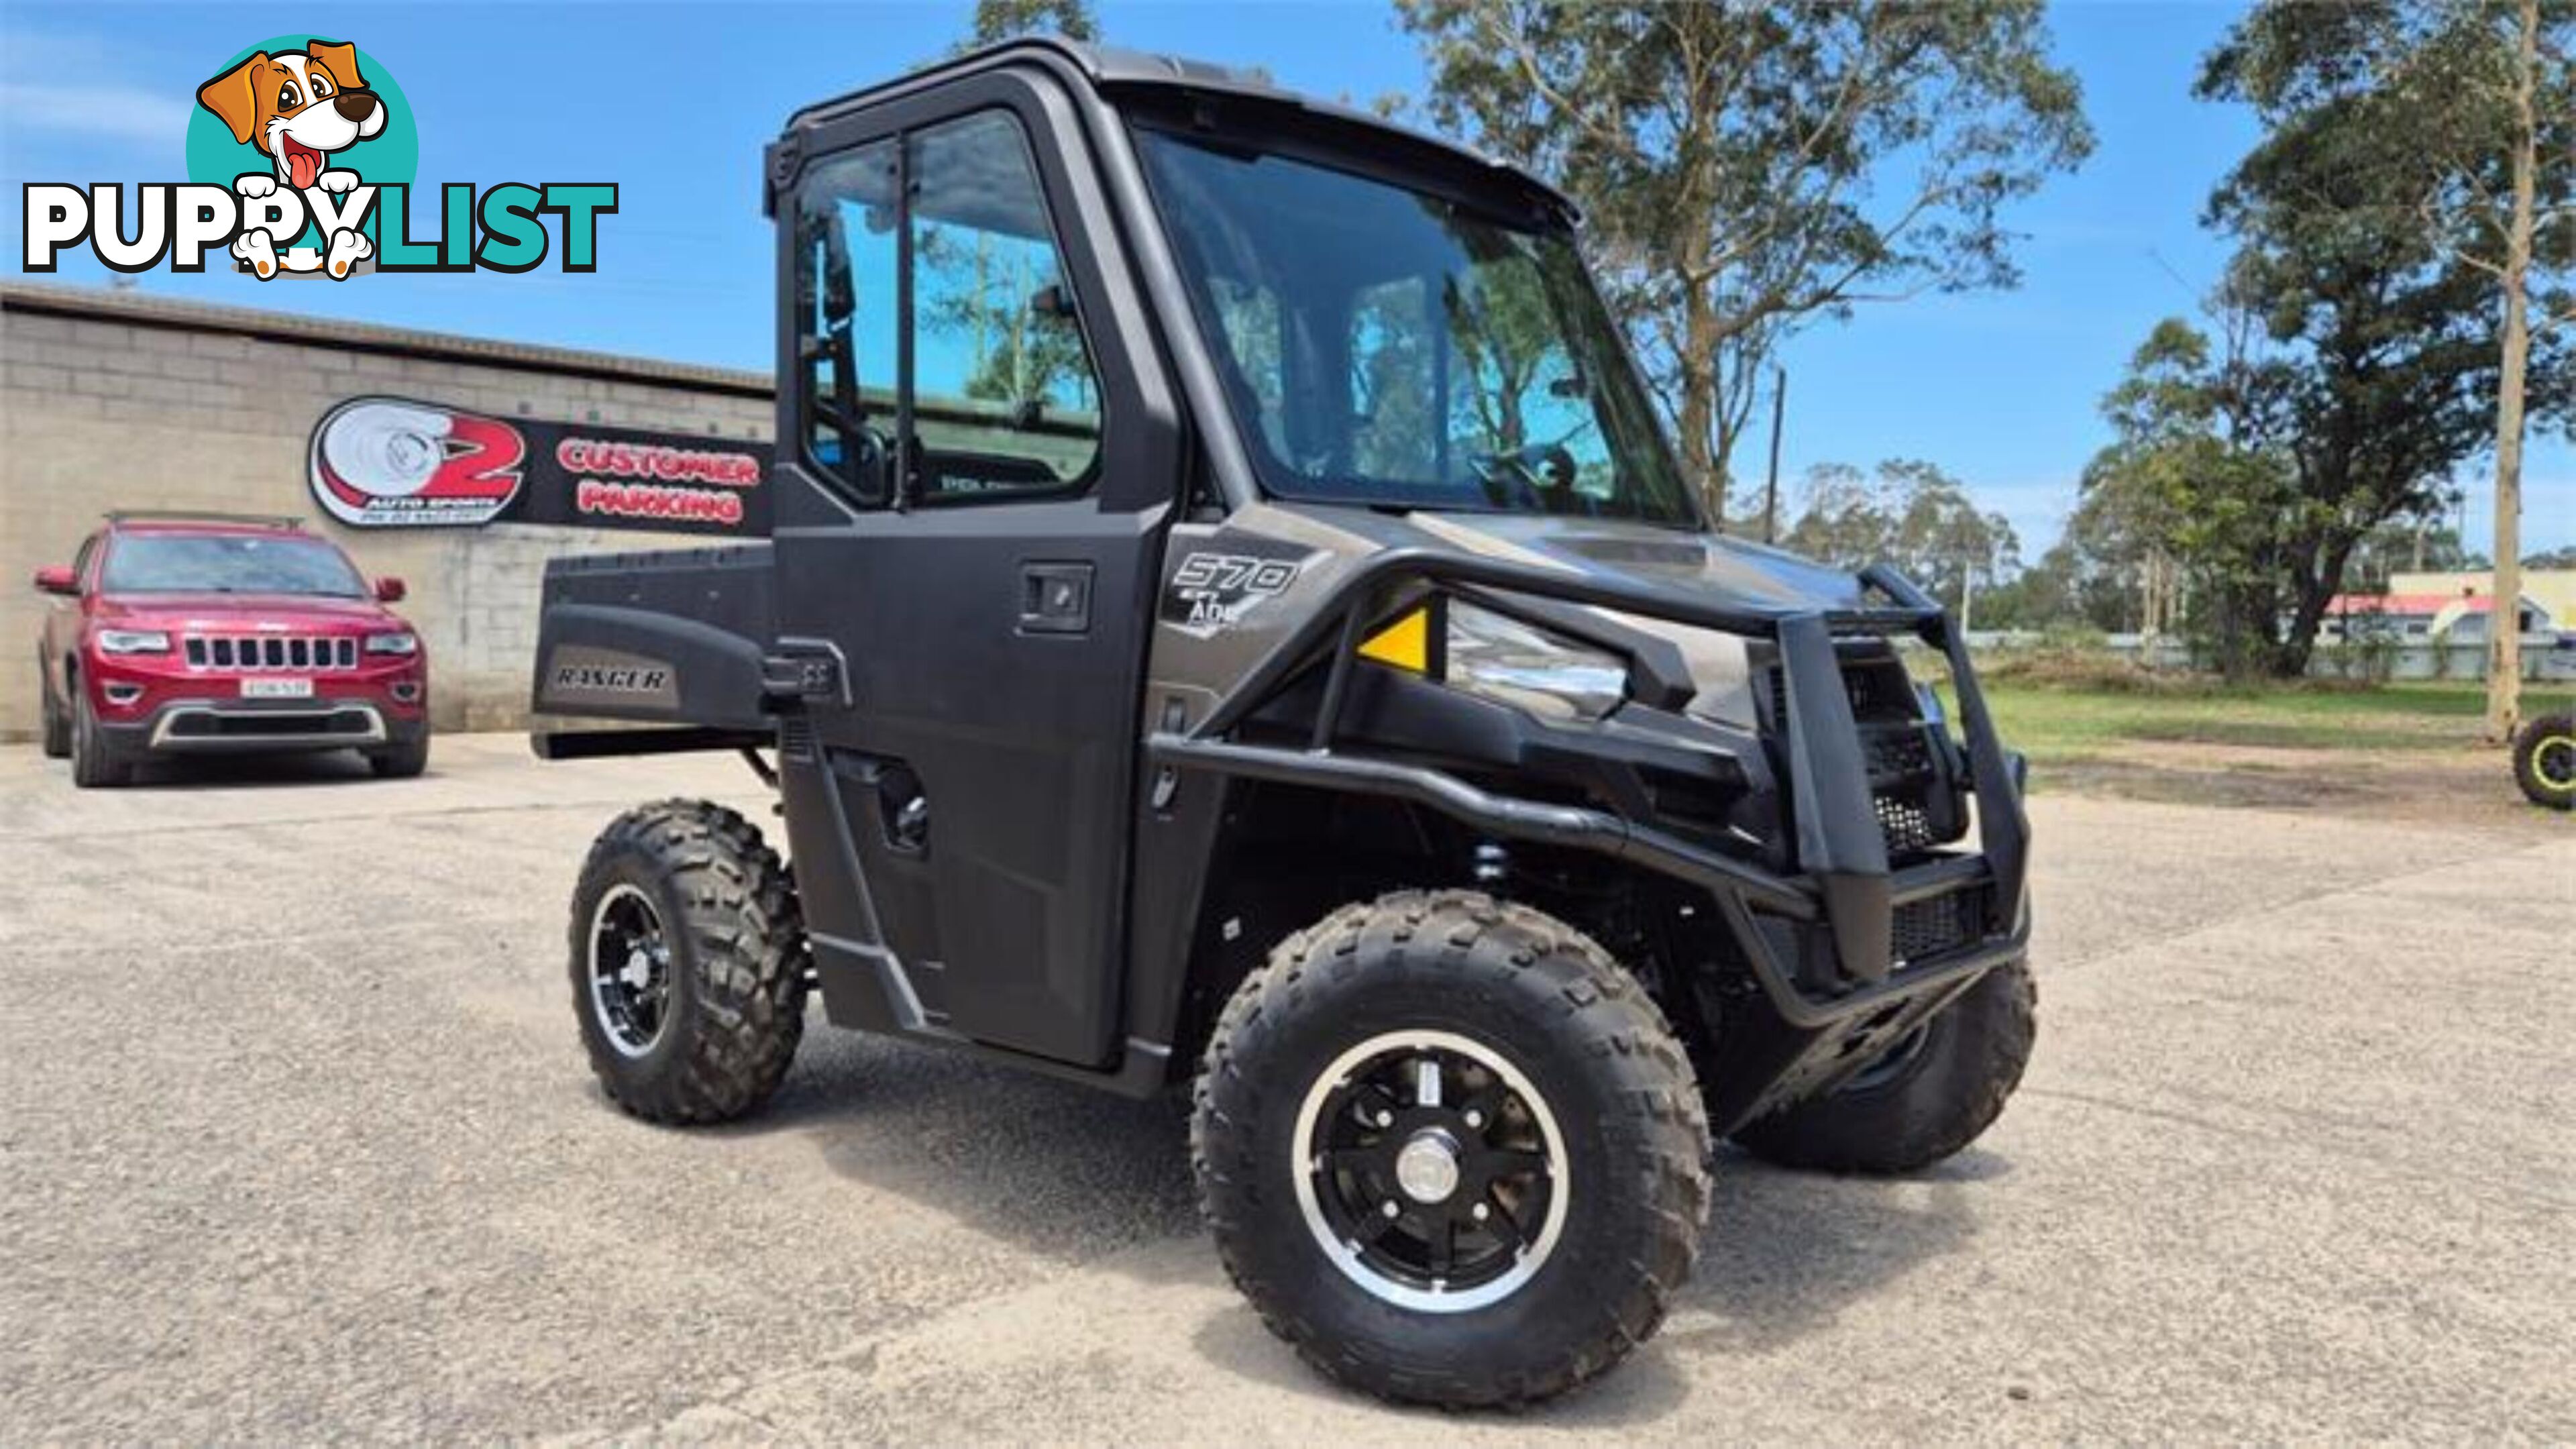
(688, 963)
(2544, 761)
(96, 762)
(1451, 1151)
(1932, 1093)
(400, 761)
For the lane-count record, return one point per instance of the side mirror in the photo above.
(390, 590)
(57, 579)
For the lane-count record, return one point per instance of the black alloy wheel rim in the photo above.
(630, 970)
(1433, 1172)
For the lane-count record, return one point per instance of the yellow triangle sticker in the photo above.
(1406, 643)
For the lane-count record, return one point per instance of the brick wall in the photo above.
(116, 400)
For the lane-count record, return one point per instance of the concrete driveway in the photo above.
(298, 1144)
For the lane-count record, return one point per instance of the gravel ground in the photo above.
(299, 1144)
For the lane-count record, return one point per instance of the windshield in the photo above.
(229, 563)
(1386, 347)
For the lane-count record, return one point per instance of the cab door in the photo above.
(977, 459)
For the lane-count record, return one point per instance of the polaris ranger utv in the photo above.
(1232, 619)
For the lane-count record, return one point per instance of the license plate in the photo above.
(277, 689)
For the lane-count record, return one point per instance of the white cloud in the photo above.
(124, 113)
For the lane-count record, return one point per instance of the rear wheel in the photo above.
(1451, 1151)
(95, 762)
(2544, 761)
(1932, 1093)
(57, 728)
(688, 963)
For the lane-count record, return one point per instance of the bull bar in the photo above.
(1845, 883)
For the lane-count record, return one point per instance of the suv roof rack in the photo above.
(201, 515)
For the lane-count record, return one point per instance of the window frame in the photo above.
(802, 374)
(905, 468)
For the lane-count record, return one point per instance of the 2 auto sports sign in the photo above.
(385, 462)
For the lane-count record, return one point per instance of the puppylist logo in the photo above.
(301, 153)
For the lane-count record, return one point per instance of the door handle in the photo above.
(1055, 598)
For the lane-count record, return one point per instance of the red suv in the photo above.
(195, 633)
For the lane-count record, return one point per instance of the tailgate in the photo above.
(669, 637)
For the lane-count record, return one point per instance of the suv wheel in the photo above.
(95, 762)
(1451, 1151)
(1932, 1093)
(57, 729)
(688, 963)
(400, 762)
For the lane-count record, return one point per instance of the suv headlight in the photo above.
(405, 642)
(131, 641)
(1494, 655)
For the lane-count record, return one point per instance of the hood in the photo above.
(1700, 562)
(1719, 666)
(234, 611)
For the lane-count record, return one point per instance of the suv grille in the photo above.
(246, 652)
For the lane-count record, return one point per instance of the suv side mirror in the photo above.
(390, 590)
(57, 579)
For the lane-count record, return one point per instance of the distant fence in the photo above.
(2545, 657)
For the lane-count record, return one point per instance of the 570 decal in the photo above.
(1210, 591)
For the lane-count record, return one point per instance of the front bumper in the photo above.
(247, 726)
(159, 706)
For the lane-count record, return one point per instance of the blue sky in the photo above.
(674, 101)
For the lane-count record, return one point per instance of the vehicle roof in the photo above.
(211, 523)
(1130, 74)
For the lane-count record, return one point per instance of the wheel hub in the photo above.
(1426, 1167)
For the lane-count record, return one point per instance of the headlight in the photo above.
(403, 643)
(131, 641)
(1504, 659)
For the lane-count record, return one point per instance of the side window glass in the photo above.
(846, 279)
(1005, 401)
(81, 561)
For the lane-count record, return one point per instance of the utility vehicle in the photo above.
(1232, 619)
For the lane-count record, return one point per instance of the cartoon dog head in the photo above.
(298, 106)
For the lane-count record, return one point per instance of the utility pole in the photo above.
(1771, 485)
(2504, 624)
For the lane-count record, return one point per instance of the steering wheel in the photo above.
(1530, 477)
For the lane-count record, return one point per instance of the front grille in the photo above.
(1897, 753)
(248, 652)
(1877, 686)
(1907, 788)
(269, 724)
(1925, 929)
(1907, 828)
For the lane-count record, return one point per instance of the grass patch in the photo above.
(2281, 734)
(2051, 718)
